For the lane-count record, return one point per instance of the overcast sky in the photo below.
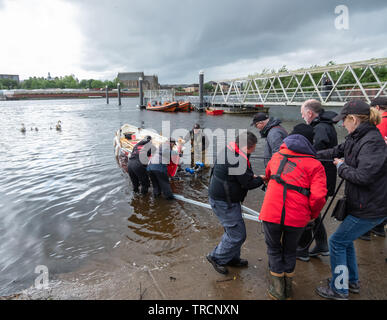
(175, 39)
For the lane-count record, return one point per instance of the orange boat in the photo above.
(214, 112)
(166, 106)
(184, 106)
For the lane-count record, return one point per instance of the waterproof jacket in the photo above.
(364, 171)
(383, 125)
(274, 134)
(161, 158)
(142, 151)
(302, 171)
(227, 186)
(325, 137)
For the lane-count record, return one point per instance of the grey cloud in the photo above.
(175, 39)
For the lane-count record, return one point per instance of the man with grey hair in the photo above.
(325, 137)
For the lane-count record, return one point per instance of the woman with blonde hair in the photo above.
(364, 170)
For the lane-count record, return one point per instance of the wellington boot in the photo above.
(289, 286)
(277, 286)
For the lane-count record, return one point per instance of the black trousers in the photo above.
(320, 236)
(138, 175)
(160, 183)
(281, 246)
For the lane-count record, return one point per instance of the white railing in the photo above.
(328, 84)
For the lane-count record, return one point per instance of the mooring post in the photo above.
(107, 95)
(141, 93)
(119, 93)
(201, 80)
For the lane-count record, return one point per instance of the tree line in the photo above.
(66, 82)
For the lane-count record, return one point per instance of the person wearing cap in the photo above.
(231, 178)
(364, 170)
(270, 129)
(137, 163)
(380, 104)
(199, 144)
(325, 137)
(158, 169)
(295, 195)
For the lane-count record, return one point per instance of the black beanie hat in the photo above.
(304, 130)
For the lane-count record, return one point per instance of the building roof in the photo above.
(125, 76)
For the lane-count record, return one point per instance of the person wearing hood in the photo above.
(295, 195)
(364, 170)
(137, 164)
(270, 129)
(325, 137)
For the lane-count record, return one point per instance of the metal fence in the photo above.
(332, 85)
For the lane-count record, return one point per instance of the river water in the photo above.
(63, 198)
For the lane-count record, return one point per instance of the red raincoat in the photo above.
(304, 172)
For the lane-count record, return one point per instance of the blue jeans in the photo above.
(234, 235)
(342, 251)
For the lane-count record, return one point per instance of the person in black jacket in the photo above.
(325, 137)
(364, 170)
(231, 178)
(137, 164)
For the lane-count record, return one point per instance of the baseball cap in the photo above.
(379, 101)
(260, 116)
(356, 106)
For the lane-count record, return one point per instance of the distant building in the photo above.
(192, 88)
(131, 80)
(10, 76)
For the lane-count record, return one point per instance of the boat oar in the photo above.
(250, 214)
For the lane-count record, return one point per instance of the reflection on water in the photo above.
(63, 199)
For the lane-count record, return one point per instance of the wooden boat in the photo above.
(214, 112)
(184, 106)
(166, 106)
(128, 136)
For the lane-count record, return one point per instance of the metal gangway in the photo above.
(333, 85)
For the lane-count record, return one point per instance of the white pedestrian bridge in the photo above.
(333, 85)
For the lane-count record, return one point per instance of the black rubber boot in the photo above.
(289, 285)
(277, 286)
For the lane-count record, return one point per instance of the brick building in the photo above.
(131, 80)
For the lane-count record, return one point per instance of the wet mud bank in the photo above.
(132, 271)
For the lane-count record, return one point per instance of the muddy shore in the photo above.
(186, 274)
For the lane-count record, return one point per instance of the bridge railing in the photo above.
(332, 85)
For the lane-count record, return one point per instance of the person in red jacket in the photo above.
(295, 195)
(380, 104)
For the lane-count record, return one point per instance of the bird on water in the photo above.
(59, 126)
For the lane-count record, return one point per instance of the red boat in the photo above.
(184, 106)
(166, 106)
(214, 112)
